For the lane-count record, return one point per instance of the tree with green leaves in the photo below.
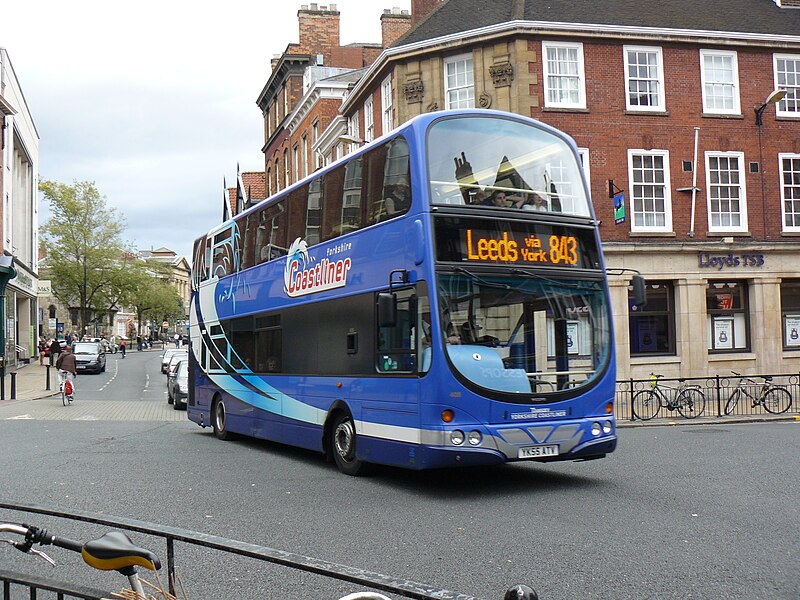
(151, 295)
(83, 240)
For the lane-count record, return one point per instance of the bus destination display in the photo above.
(555, 249)
(460, 240)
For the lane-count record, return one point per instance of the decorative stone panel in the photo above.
(502, 74)
(414, 90)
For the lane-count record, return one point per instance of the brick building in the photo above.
(306, 88)
(715, 230)
(693, 162)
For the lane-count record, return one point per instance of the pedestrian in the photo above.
(122, 346)
(55, 350)
(177, 341)
(42, 345)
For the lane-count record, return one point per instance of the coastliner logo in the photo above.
(301, 278)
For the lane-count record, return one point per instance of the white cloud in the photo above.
(155, 101)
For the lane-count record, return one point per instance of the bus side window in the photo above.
(223, 253)
(332, 190)
(207, 273)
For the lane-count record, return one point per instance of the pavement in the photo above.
(31, 399)
(31, 382)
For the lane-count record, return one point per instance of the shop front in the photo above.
(712, 308)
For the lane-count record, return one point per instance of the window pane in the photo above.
(643, 78)
(721, 83)
(790, 189)
(652, 327)
(725, 192)
(459, 83)
(727, 316)
(790, 307)
(563, 75)
(649, 191)
(788, 78)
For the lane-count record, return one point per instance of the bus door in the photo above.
(402, 353)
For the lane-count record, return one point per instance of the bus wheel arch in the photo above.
(340, 439)
(219, 418)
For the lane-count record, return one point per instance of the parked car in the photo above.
(165, 358)
(89, 357)
(180, 385)
(174, 361)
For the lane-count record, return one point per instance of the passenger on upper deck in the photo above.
(498, 198)
(398, 200)
(532, 202)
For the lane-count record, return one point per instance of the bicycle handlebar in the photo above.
(766, 378)
(113, 551)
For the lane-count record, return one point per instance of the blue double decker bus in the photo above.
(437, 298)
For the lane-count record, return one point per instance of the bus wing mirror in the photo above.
(387, 309)
(639, 290)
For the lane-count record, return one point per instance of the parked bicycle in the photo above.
(774, 398)
(688, 400)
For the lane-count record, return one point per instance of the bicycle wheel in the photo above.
(646, 404)
(777, 400)
(64, 399)
(691, 403)
(732, 402)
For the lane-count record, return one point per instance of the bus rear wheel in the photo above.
(219, 420)
(343, 444)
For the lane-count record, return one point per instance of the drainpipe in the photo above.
(694, 179)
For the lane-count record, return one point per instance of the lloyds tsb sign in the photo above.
(707, 260)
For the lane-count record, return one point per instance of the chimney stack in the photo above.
(319, 29)
(395, 24)
(421, 8)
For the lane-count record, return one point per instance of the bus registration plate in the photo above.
(538, 451)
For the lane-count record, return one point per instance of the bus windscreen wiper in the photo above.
(481, 280)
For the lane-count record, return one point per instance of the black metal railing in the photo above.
(171, 535)
(717, 390)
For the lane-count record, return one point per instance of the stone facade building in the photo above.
(19, 214)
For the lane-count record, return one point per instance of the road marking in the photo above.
(113, 377)
(19, 417)
(86, 418)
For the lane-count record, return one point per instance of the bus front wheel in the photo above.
(218, 420)
(343, 444)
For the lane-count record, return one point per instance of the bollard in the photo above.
(47, 382)
(13, 385)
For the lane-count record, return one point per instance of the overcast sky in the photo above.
(156, 101)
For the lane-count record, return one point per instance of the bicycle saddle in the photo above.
(115, 551)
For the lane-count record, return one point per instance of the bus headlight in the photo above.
(474, 438)
(596, 429)
(456, 437)
(607, 427)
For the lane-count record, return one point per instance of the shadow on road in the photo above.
(454, 484)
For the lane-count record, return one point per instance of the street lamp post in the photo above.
(775, 96)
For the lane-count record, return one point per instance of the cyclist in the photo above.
(67, 369)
